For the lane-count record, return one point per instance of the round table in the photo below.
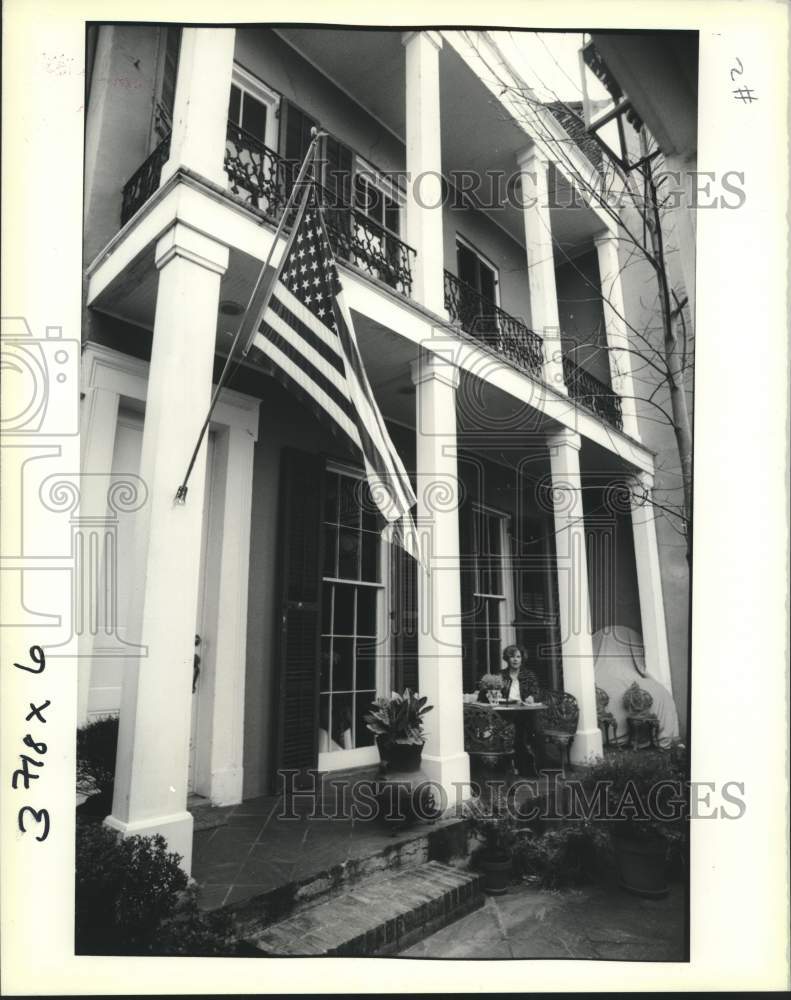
(523, 719)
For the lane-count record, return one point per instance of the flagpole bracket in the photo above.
(181, 495)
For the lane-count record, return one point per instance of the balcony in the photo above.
(594, 395)
(263, 179)
(488, 323)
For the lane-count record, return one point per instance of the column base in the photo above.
(226, 786)
(586, 746)
(452, 774)
(176, 829)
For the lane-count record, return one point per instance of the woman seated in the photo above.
(519, 683)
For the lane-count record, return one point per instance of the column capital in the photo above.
(564, 438)
(430, 366)
(181, 241)
(432, 36)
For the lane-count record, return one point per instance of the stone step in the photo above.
(378, 916)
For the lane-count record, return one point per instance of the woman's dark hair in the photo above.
(513, 648)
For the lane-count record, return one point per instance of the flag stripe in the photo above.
(323, 342)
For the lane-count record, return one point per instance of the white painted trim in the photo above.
(339, 760)
(247, 81)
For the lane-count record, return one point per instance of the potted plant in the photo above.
(498, 833)
(491, 685)
(645, 811)
(397, 723)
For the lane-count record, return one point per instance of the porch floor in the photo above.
(257, 848)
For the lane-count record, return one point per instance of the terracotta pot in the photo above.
(641, 866)
(401, 757)
(497, 870)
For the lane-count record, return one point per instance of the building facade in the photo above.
(247, 630)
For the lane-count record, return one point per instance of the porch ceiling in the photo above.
(354, 57)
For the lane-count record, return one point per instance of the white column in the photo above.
(226, 658)
(541, 263)
(439, 635)
(99, 421)
(153, 740)
(573, 598)
(424, 166)
(616, 329)
(200, 111)
(649, 580)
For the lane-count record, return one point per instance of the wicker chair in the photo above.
(487, 736)
(557, 724)
(605, 718)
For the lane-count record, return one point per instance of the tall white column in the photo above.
(424, 166)
(153, 740)
(98, 424)
(200, 111)
(439, 635)
(544, 316)
(616, 329)
(573, 597)
(225, 660)
(649, 580)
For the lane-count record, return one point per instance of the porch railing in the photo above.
(593, 394)
(263, 179)
(490, 324)
(144, 182)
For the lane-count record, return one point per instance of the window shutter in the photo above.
(299, 611)
(405, 620)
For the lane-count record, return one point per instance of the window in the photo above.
(251, 139)
(494, 598)
(253, 107)
(167, 72)
(476, 271)
(352, 603)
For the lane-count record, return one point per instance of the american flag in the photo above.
(307, 336)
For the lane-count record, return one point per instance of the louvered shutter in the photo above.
(299, 609)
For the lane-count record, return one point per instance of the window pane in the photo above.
(370, 567)
(326, 609)
(341, 731)
(363, 736)
(343, 620)
(349, 501)
(235, 104)
(366, 666)
(366, 611)
(392, 216)
(343, 664)
(331, 499)
(254, 116)
(330, 550)
(324, 723)
(326, 654)
(370, 512)
(349, 554)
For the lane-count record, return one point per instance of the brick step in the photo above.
(378, 916)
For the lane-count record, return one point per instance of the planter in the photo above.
(401, 757)
(641, 866)
(497, 870)
(403, 794)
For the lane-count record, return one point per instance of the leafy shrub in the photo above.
(559, 858)
(131, 898)
(97, 744)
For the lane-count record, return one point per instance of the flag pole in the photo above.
(248, 322)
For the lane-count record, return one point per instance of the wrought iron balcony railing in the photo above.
(144, 182)
(263, 179)
(594, 395)
(487, 322)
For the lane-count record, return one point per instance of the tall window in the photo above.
(494, 603)
(352, 591)
(478, 294)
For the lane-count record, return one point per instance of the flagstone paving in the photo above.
(593, 922)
